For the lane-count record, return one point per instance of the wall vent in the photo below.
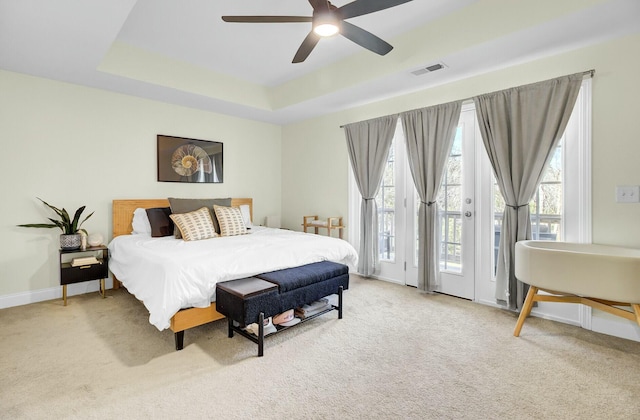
(428, 69)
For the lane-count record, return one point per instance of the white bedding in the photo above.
(169, 274)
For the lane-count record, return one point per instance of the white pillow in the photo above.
(246, 215)
(195, 225)
(140, 223)
(230, 220)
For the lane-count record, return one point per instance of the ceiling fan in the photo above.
(328, 20)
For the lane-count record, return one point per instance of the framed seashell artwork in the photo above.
(182, 159)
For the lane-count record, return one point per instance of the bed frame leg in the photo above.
(261, 334)
(526, 309)
(179, 336)
(340, 302)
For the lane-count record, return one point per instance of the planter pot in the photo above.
(69, 242)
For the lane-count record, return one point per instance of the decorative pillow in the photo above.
(231, 221)
(161, 223)
(246, 215)
(140, 223)
(185, 205)
(195, 225)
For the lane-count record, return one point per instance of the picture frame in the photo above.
(182, 159)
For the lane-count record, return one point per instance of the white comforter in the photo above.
(169, 274)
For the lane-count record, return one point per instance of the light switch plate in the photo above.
(628, 194)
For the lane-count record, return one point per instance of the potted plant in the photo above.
(71, 237)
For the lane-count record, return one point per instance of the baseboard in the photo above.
(34, 296)
(387, 279)
(550, 317)
(534, 312)
(604, 323)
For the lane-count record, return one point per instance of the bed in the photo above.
(176, 280)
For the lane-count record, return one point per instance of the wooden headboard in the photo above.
(123, 211)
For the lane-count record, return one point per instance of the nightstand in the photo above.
(97, 271)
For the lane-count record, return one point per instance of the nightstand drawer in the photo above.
(70, 274)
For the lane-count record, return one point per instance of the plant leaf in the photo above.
(57, 210)
(76, 217)
(59, 224)
(86, 218)
(65, 223)
(39, 225)
(65, 217)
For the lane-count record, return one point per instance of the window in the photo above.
(545, 208)
(386, 203)
(449, 206)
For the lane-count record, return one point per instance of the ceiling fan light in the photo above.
(326, 29)
(325, 23)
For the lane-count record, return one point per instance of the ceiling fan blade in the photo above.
(267, 19)
(365, 39)
(316, 4)
(307, 46)
(363, 7)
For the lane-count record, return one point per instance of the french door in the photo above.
(398, 204)
(456, 206)
(397, 218)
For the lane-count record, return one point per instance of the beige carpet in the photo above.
(397, 354)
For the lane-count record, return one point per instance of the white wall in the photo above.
(74, 146)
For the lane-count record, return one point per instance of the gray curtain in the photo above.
(429, 134)
(520, 129)
(368, 144)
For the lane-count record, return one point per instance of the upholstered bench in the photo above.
(254, 299)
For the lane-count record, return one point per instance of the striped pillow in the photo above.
(195, 225)
(230, 220)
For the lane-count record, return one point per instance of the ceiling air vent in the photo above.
(428, 69)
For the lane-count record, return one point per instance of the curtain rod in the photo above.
(586, 73)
